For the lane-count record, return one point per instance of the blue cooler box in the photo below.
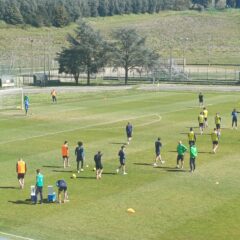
(52, 197)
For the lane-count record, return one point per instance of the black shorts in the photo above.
(158, 153)
(65, 157)
(200, 124)
(20, 175)
(129, 134)
(191, 143)
(62, 189)
(218, 126)
(234, 120)
(99, 166)
(122, 162)
(180, 157)
(215, 142)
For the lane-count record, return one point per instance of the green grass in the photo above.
(210, 37)
(169, 204)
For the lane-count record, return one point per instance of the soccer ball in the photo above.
(94, 169)
(74, 176)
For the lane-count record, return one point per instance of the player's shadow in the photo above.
(8, 187)
(118, 143)
(177, 170)
(29, 202)
(63, 171)
(204, 152)
(84, 177)
(143, 164)
(193, 127)
(109, 173)
(45, 166)
(174, 151)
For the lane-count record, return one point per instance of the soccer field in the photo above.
(170, 204)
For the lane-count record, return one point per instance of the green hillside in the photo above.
(210, 37)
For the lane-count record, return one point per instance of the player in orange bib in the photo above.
(21, 169)
(65, 154)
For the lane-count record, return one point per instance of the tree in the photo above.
(130, 51)
(12, 14)
(87, 53)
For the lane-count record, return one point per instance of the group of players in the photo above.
(21, 167)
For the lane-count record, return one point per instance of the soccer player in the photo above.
(215, 139)
(200, 98)
(21, 169)
(65, 154)
(122, 160)
(191, 137)
(218, 121)
(39, 186)
(205, 114)
(193, 156)
(181, 149)
(129, 131)
(98, 165)
(62, 187)
(26, 104)
(158, 146)
(201, 122)
(54, 95)
(234, 118)
(80, 156)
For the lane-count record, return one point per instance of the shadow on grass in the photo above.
(109, 173)
(29, 202)
(118, 143)
(177, 170)
(8, 187)
(87, 177)
(174, 151)
(143, 164)
(205, 152)
(63, 171)
(197, 127)
(52, 166)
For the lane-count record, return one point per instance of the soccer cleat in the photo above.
(117, 170)
(78, 171)
(82, 169)
(162, 162)
(124, 173)
(155, 165)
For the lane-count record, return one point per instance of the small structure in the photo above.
(6, 81)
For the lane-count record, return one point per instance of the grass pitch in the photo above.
(169, 204)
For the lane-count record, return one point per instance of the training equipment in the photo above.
(33, 195)
(130, 210)
(217, 182)
(51, 194)
(74, 176)
(11, 98)
(94, 169)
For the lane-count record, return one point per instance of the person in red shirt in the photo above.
(65, 154)
(21, 169)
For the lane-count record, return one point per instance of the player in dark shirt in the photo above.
(80, 156)
(98, 164)
(129, 131)
(158, 146)
(122, 160)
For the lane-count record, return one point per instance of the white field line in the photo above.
(73, 129)
(15, 236)
(89, 126)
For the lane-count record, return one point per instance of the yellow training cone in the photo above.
(131, 210)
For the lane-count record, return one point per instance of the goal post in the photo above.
(11, 98)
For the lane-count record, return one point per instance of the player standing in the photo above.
(234, 118)
(193, 156)
(122, 160)
(205, 114)
(98, 165)
(80, 156)
(181, 149)
(54, 95)
(158, 146)
(65, 154)
(26, 104)
(191, 137)
(200, 99)
(218, 121)
(129, 131)
(21, 169)
(215, 140)
(201, 122)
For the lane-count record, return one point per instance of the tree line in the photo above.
(60, 13)
(89, 52)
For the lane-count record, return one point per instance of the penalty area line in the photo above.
(15, 236)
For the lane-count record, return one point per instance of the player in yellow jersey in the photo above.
(205, 114)
(218, 121)
(201, 122)
(215, 140)
(191, 137)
